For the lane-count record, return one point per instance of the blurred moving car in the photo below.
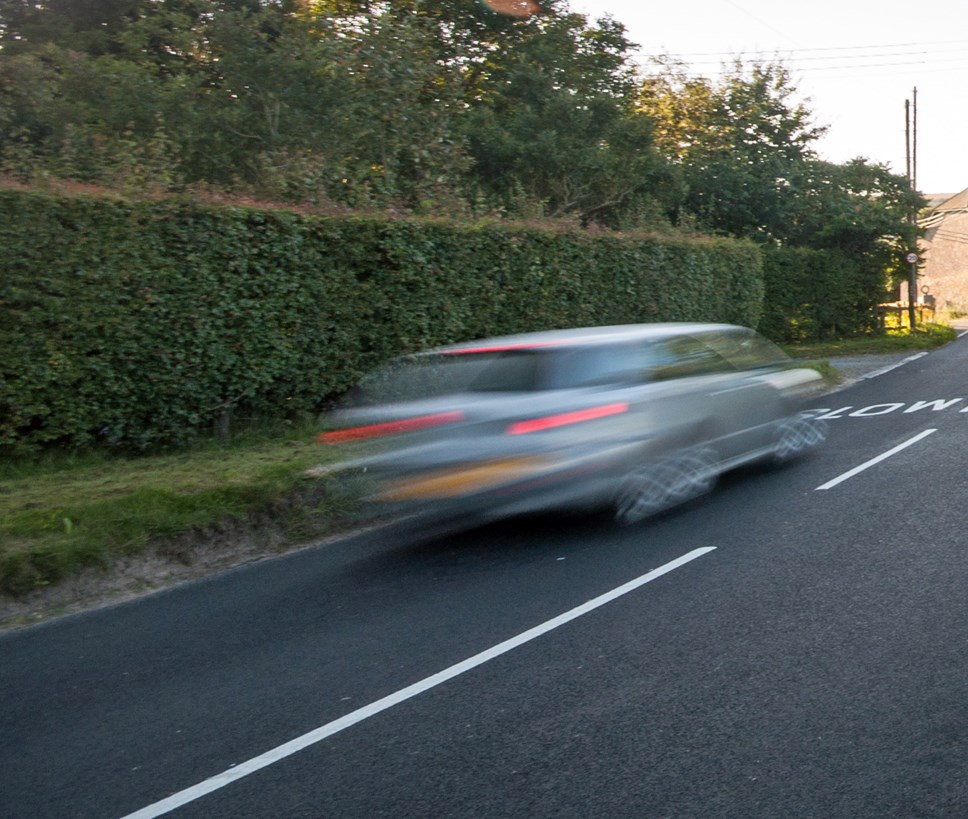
(637, 418)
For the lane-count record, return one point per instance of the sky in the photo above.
(857, 61)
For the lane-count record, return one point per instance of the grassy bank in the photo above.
(65, 513)
(62, 514)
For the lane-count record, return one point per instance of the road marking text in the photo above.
(874, 410)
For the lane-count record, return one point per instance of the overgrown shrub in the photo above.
(815, 295)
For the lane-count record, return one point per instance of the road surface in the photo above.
(792, 645)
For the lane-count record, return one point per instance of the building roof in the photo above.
(956, 203)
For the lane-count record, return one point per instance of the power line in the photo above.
(727, 54)
(757, 19)
(879, 65)
(833, 59)
(797, 60)
(932, 65)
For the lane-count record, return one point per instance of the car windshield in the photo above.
(746, 349)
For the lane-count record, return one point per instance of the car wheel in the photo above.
(795, 436)
(643, 492)
(651, 488)
(696, 474)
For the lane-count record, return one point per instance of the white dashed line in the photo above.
(257, 763)
(884, 456)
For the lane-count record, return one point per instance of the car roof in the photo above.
(583, 336)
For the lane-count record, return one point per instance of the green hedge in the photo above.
(816, 295)
(142, 324)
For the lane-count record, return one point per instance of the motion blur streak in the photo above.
(501, 348)
(513, 8)
(454, 482)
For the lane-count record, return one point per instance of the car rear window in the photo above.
(517, 370)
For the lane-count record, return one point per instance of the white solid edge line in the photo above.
(877, 460)
(299, 743)
(890, 367)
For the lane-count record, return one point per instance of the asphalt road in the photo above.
(801, 652)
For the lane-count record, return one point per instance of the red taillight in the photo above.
(341, 436)
(565, 418)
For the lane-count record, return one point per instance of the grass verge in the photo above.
(894, 341)
(63, 514)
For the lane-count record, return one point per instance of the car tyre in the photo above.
(643, 491)
(651, 488)
(797, 436)
(697, 474)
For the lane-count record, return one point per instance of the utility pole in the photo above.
(912, 175)
(914, 140)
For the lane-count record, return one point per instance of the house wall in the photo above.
(945, 270)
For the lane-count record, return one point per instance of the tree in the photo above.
(859, 208)
(412, 104)
(744, 145)
(392, 132)
(738, 142)
(250, 95)
(82, 25)
(551, 122)
(85, 92)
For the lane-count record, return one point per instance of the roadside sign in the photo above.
(911, 258)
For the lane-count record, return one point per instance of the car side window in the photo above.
(687, 356)
(746, 349)
(606, 364)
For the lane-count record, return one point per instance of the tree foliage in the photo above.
(550, 118)
(738, 141)
(859, 208)
(414, 105)
(430, 107)
(745, 147)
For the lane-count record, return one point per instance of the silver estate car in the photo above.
(636, 418)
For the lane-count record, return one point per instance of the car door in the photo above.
(735, 406)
